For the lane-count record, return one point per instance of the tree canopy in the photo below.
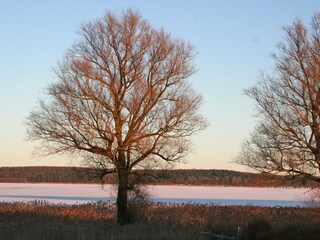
(122, 99)
(287, 137)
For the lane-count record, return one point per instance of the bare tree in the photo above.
(287, 139)
(122, 99)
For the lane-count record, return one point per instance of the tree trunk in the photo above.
(122, 199)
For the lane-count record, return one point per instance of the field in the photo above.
(65, 220)
(96, 220)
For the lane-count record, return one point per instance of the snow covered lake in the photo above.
(80, 193)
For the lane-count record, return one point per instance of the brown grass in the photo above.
(41, 220)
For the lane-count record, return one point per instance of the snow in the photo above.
(80, 193)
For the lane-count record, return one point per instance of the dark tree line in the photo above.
(180, 177)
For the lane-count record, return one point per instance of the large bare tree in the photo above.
(122, 99)
(287, 138)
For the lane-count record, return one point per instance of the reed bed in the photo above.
(96, 220)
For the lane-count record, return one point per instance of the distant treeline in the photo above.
(185, 177)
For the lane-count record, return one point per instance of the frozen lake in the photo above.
(80, 193)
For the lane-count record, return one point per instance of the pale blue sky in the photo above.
(233, 41)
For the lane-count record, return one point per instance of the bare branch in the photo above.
(287, 140)
(122, 99)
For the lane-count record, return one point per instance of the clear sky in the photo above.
(233, 41)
